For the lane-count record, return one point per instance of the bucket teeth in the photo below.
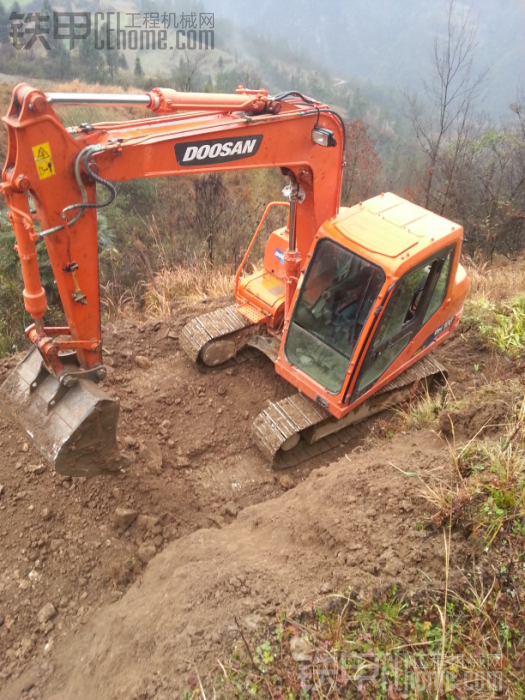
(74, 428)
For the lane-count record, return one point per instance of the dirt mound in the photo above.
(487, 418)
(352, 523)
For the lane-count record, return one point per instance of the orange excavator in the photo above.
(348, 303)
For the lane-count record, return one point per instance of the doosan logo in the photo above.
(217, 150)
(279, 255)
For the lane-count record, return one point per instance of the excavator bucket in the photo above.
(75, 428)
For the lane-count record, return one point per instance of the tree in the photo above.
(445, 120)
(4, 26)
(92, 61)
(362, 164)
(188, 76)
(138, 68)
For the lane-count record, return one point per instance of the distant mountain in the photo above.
(390, 41)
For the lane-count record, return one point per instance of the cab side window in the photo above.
(416, 298)
(403, 305)
(440, 290)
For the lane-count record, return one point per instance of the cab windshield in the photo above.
(334, 303)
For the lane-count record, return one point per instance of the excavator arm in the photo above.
(59, 168)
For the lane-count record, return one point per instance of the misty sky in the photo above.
(390, 41)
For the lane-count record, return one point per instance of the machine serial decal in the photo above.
(433, 336)
(217, 150)
(43, 160)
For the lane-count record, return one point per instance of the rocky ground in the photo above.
(123, 586)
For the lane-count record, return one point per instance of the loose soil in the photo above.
(106, 605)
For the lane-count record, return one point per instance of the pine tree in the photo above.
(4, 27)
(138, 68)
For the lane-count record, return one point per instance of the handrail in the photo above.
(272, 204)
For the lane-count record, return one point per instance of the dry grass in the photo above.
(190, 283)
(495, 281)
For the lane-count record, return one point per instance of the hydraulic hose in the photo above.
(84, 155)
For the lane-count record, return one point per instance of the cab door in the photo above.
(415, 299)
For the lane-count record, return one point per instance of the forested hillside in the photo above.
(391, 41)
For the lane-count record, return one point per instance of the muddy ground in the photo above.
(96, 602)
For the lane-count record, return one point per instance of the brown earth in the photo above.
(224, 539)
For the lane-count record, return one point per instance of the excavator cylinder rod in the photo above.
(74, 428)
(86, 98)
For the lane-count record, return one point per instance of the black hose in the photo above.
(101, 181)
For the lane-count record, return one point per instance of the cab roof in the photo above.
(391, 226)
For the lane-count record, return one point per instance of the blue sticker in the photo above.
(279, 255)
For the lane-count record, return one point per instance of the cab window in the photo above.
(440, 291)
(334, 303)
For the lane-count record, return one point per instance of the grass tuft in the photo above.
(192, 283)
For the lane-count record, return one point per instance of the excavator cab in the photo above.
(383, 284)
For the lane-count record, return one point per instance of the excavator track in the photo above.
(216, 337)
(296, 428)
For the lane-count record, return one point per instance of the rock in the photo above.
(2, 489)
(36, 469)
(230, 509)
(246, 415)
(182, 462)
(46, 514)
(142, 362)
(2, 618)
(147, 552)
(149, 523)
(301, 649)
(151, 455)
(221, 390)
(46, 613)
(286, 482)
(170, 532)
(393, 566)
(166, 424)
(25, 447)
(117, 494)
(124, 517)
(406, 506)
(130, 441)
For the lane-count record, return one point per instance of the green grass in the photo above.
(389, 646)
(503, 325)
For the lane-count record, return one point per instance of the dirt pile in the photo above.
(352, 523)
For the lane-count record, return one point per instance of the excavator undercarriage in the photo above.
(296, 428)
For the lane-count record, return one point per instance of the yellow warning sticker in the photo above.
(43, 160)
